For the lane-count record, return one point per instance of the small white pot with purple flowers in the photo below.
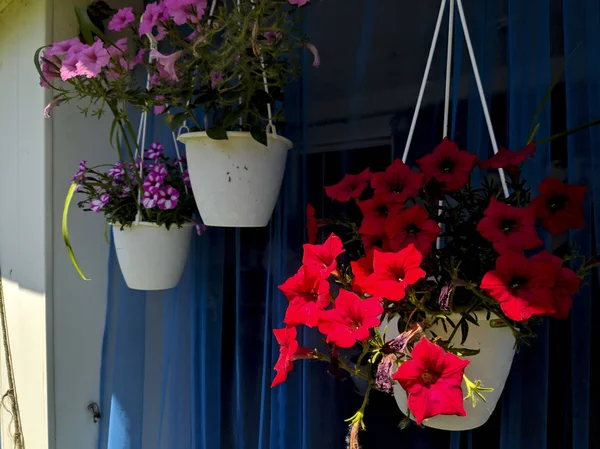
(151, 210)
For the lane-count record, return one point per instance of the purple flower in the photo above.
(385, 370)
(151, 185)
(125, 191)
(155, 151)
(183, 10)
(159, 170)
(121, 19)
(201, 228)
(80, 171)
(117, 171)
(166, 64)
(54, 103)
(271, 36)
(181, 159)
(69, 67)
(154, 13)
(216, 78)
(298, 2)
(444, 298)
(98, 203)
(315, 52)
(149, 200)
(63, 47)
(186, 178)
(400, 343)
(92, 59)
(167, 197)
(50, 69)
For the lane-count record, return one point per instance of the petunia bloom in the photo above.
(150, 199)
(394, 272)
(216, 78)
(507, 159)
(509, 228)
(298, 2)
(448, 165)
(308, 294)
(351, 186)
(375, 241)
(289, 351)
(117, 171)
(166, 63)
(98, 204)
(167, 198)
(397, 183)
(522, 286)
(362, 269)
(69, 67)
(121, 19)
(412, 225)
(375, 212)
(559, 206)
(80, 171)
(351, 319)
(92, 59)
(566, 284)
(154, 14)
(433, 381)
(312, 227)
(323, 256)
(155, 151)
(182, 11)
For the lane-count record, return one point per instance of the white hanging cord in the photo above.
(438, 242)
(486, 112)
(449, 68)
(436, 34)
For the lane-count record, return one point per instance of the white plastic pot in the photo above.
(150, 256)
(235, 181)
(491, 366)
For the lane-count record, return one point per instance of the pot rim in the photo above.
(198, 135)
(150, 224)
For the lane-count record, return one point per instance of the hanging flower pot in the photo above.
(235, 181)
(491, 365)
(152, 257)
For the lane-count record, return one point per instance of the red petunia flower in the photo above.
(375, 241)
(559, 206)
(566, 284)
(509, 228)
(351, 186)
(397, 183)
(506, 158)
(448, 165)
(433, 381)
(411, 225)
(522, 286)
(393, 272)
(351, 319)
(323, 256)
(288, 352)
(308, 293)
(311, 224)
(375, 211)
(362, 269)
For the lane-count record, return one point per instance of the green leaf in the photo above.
(463, 352)
(86, 26)
(451, 322)
(217, 133)
(471, 318)
(65, 231)
(259, 134)
(464, 331)
(261, 98)
(231, 117)
(178, 120)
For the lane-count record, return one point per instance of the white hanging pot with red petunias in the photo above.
(236, 181)
(152, 257)
(487, 355)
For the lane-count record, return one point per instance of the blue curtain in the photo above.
(192, 367)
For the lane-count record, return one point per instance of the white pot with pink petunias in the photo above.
(236, 181)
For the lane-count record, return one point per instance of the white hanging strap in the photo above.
(486, 113)
(436, 34)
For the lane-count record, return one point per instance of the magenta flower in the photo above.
(315, 52)
(155, 151)
(152, 183)
(161, 108)
(216, 78)
(63, 47)
(98, 204)
(80, 171)
(166, 64)
(183, 10)
(154, 13)
(271, 36)
(121, 19)
(149, 200)
(139, 58)
(167, 198)
(92, 59)
(69, 67)
(298, 2)
(186, 178)
(201, 228)
(50, 65)
(125, 191)
(158, 170)
(117, 171)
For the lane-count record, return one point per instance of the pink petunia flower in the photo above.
(166, 64)
(315, 52)
(216, 78)
(92, 59)
(154, 13)
(98, 204)
(63, 47)
(298, 2)
(69, 68)
(149, 200)
(183, 10)
(121, 19)
(155, 151)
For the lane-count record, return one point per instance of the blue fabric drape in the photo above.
(191, 368)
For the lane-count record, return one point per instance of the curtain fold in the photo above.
(191, 368)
